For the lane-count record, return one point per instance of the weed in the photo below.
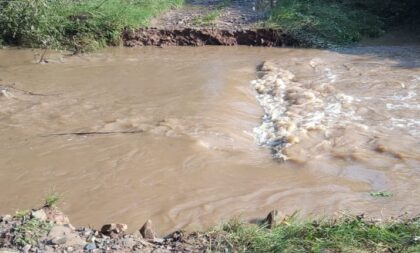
(381, 194)
(30, 232)
(19, 214)
(347, 234)
(52, 199)
(207, 19)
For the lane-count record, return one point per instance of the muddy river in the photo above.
(176, 134)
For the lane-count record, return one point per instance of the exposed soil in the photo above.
(211, 22)
(48, 230)
(201, 37)
(230, 15)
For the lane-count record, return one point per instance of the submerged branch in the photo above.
(95, 133)
(12, 87)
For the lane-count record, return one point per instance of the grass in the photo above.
(72, 24)
(347, 234)
(52, 199)
(210, 17)
(384, 194)
(324, 23)
(30, 232)
(207, 19)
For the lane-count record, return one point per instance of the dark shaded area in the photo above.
(393, 12)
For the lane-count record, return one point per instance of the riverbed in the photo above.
(174, 134)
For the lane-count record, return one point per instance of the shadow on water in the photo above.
(401, 46)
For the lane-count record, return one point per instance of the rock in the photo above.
(147, 231)
(26, 248)
(273, 218)
(56, 216)
(6, 218)
(128, 242)
(64, 234)
(7, 250)
(39, 214)
(58, 240)
(114, 230)
(90, 246)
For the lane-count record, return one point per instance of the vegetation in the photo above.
(348, 234)
(74, 24)
(207, 19)
(335, 22)
(52, 199)
(381, 194)
(210, 17)
(30, 231)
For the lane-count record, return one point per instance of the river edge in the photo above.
(202, 240)
(47, 229)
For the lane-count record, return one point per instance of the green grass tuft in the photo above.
(384, 194)
(347, 234)
(52, 199)
(29, 232)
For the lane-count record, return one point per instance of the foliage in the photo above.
(30, 232)
(323, 23)
(74, 24)
(52, 199)
(19, 214)
(347, 234)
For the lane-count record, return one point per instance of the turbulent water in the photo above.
(178, 134)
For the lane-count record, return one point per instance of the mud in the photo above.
(204, 36)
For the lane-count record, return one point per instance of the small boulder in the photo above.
(58, 240)
(273, 218)
(114, 230)
(63, 234)
(56, 216)
(147, 232)
(90, 246)
(39, 214)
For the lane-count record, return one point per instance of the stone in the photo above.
(7, 250)
(90, 246)
(39, 214)
(6, 218)
(56, 216)
(273, 218)
(26, 248)
(58, 240)
(114, 230)
(147, 232)
(63, 234)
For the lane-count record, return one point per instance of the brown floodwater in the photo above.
(174, 134)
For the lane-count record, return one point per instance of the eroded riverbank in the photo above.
(179, 146)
